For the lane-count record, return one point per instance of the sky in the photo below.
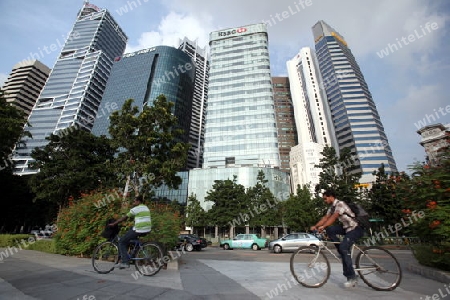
(401, 46)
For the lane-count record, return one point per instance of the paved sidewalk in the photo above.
(32, 275)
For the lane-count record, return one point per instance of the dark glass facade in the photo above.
(143, 76)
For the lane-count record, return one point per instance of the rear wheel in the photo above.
(105, 256)
(378, 268)
(310, 267)
(149, 259)
(226, 247)
(189, 247)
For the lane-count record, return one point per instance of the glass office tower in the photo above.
(241, 129)
(240, 120)
(354, 114)
(144, 75)
(74, 89)
(199, 101)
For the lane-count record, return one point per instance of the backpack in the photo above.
(361, 215)
(110, 232)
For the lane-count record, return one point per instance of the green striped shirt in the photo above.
(142, 219)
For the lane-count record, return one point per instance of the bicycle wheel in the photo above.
(105, 256)
(149, 259)
(310, 267)
(378, 268)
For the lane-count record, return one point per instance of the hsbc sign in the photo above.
(234, 31)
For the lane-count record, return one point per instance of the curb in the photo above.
(428, 272)
(173, 264)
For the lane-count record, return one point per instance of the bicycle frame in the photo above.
(323, 246)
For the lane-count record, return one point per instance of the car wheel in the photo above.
(189, 247)
(226, 247)
(255, 247)
(277, 249)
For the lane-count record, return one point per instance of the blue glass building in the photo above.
(74, 89)
(144, 75)
(355, 117)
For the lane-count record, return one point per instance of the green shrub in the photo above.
(80, 224)
(47, 246)
(14, 240)
(433, 256)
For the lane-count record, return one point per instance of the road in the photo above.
(212, 273)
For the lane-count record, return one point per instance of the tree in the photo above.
(150, 144)
(263, 206)
(383, 196)
(337, 173)
(230, 203)
(302, 210)
(195, 214)
(71, 164)
(12, 120)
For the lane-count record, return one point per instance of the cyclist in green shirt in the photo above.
(142, 226)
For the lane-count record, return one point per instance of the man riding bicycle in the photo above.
(142, 226)
(349, 229)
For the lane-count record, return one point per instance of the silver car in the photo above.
(292, 241)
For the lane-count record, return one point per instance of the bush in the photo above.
(433, 256)
(14, 240)
(47, 246)
(80, 224)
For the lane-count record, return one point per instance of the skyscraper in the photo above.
(284, 110)
(354, 113)
(75, 86)
(241, 131)
(199, 101)
(312, 117)
(24, 84)
(144, 75)
(240, 121)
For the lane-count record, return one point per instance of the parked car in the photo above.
(292, 241)
(191, 242)
(244, 241)
(42, 236)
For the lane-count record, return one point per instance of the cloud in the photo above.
(172, 28)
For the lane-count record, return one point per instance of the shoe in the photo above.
(351, 282)
(124, 265)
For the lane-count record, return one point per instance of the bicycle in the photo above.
(146, 256)
(377, 267)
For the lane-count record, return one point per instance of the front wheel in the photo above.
(310, 267)
(149, 259)
(105, 257)
(378, 268)
(255, 247)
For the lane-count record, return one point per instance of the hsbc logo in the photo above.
(234, 31)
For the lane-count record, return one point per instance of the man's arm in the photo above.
(326, 221)
(118, 221)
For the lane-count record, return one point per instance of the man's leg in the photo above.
(345, 249)
(333, 232)
(123, 244)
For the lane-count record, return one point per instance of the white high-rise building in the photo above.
(312, 118)
(241, 129)
(240, 120)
